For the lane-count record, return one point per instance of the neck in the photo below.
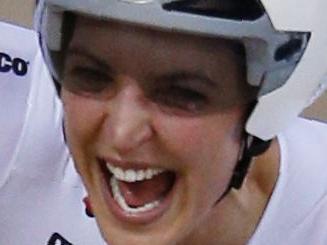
(234, 220)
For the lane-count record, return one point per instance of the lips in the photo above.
(138, 195)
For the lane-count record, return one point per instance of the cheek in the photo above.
(205, 150)
(211, 141)
(83, 118)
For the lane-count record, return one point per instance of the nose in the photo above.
(128, 121)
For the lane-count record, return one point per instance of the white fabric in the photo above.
(297, 211)
(40, 192)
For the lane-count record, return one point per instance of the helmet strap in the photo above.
(252, 147)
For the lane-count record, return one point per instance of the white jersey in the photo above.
(40, 192)
(297, 211)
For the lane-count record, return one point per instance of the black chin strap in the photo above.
(253, 147)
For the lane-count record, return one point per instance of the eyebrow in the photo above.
(186, 75)
(177, 74)
(99, 62)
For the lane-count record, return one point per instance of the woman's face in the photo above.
(154, 122)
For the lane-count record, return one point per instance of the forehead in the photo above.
(102, 31)
(131, 45)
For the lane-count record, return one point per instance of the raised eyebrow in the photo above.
(100, 63)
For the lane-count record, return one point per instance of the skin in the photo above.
(124, 117)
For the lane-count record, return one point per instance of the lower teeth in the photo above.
(122, 203)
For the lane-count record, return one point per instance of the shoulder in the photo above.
(311, 124)
(16, 40)
(32, 112)
(303, 149)
(303, 162)
(11, 30)
(306, 135)
(7, 26)
(298, 205)
(19, 55)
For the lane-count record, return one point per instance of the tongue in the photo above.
(142, 192)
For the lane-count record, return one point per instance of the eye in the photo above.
(180, 97)
(86, 80)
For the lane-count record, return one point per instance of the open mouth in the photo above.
(139, 194)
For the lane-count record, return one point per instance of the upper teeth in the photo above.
(131, 175)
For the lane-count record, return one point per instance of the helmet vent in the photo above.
(227, 9)
(290, 49)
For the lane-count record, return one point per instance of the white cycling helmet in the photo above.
(285, 43)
